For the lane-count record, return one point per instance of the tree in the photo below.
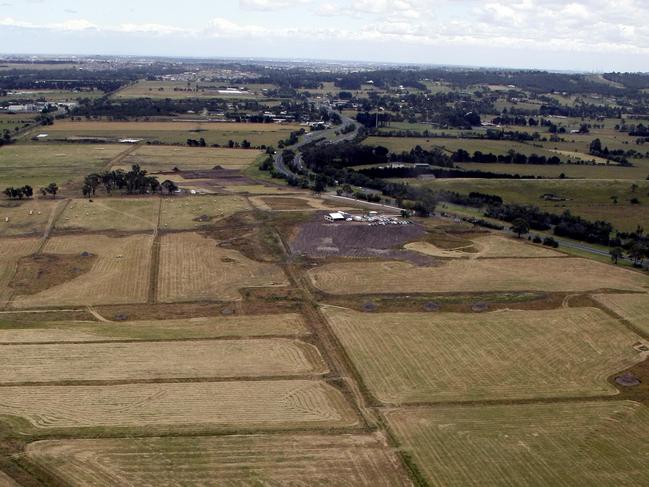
(637, 253)
(520, 227)
(170, 186)
(52, 189)
(616, 254)
(614, 199)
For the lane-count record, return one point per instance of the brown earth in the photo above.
(36, 273)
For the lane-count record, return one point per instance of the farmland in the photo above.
(461, 275)
(120, 273)
(245, 326)
(631, 307)
(236, 460)
(187, 359)
(194, 268)
(206, 406)
(39, 165)
(417, 357)
(227, 330)
(171, 132)
(590, 443)
(164, 159)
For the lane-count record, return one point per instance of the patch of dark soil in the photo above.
(39, 272)
(450, 303)
(120, 317)
(227, 311)
(318, 239)
(480, 307)
(633, 383)
(203, 219)
(369, 307)
(627, 379)
(431, 306)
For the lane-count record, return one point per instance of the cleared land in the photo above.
(208, 327)
(158, 360)
(155, 158)
(171, 132)
(193, 267)
(11, 251)
(223, 405)
(184, 89)
(461, 275)
(314, 460)
(121, 214)
(419, 357)
(199, 211)
(632, 307)
(120, 273)
(569, 444)
(40, 164)
(491, 246)
(289, 203)
(25, 217)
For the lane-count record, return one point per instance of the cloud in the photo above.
(266, 5)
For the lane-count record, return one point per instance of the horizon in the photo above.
(582, 36)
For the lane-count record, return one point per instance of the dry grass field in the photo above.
(272, 460)
(243, 326)
(156, 158)
(490, 246)
(120, 273)
(171, 132)
(11, 250)
(121, 214)
(420, 357)
(601, 443)
(25, 217)
(6, 481)
(199, 211)
(193, 268)
(258, 189)
(289, 203)
(461, 275)
(632, 307)
(158, 360)
(258, 404)
(40, 164)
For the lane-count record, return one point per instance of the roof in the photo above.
(336, 216)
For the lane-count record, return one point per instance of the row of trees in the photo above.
(27, 191)
(512, 157)
(135, 181)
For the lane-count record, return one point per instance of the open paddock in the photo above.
(632, 307)
(600, 443)
(440, 357)
(201, 406)
(11, 251)
(310, 459)
(158, 360)
(462, 275)
(488, 246)
(25, 218)
(575, 171)
(290, 203)
(6, 481)
(198, 211)
(242, 326)
(40, 164)
(194, 268)
(156, 158)
(177, 90)
(119, 274)
(119, 214)
(172, 132)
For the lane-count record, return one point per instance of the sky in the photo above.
(580, 35)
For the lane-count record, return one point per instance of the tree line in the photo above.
(135, 181)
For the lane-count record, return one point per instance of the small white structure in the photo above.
(335, 217)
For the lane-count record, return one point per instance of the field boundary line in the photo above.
(96, 314)
(154, 269)
(120, 157)
(51, 222)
